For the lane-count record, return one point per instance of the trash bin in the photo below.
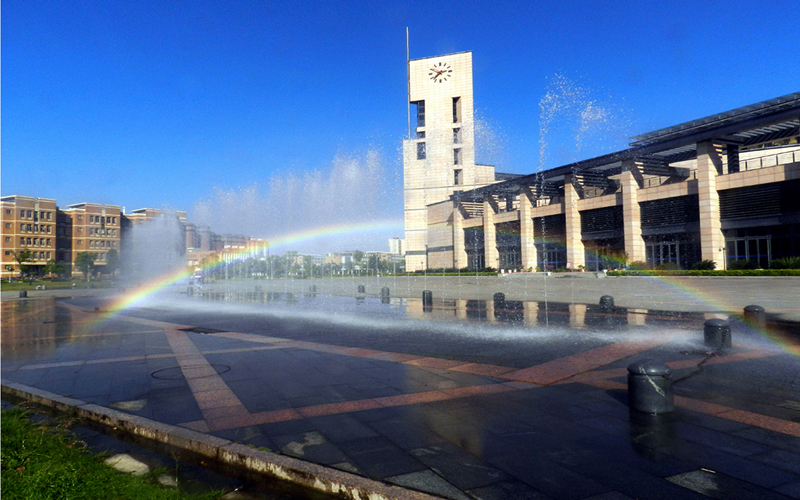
(650, 387)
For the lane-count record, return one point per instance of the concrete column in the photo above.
(491, 255)
(461, 309)
(460, 259)
(632, 218)
(575, 252)
(577, 315)
(531, 313)
(526, 240)
(709, 165)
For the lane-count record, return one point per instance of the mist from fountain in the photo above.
(354, 190)
(153, 249)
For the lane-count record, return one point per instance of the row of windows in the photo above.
(98, 231)
(421, 111)
(39, 255)
(422, 153)
(37, 242)
(32, 214)
(101, 244)
(97, 219)
(32, 228)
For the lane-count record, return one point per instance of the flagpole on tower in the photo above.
(408, 85)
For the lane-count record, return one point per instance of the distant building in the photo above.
(95, 228)
(39, 226)
(397, 246)
(28, 224)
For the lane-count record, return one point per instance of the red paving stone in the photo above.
(481, 369)
(442, 364)
(410, 399)
(569, 366)
(337, 408)
(395, 357)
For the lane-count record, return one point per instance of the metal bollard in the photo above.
(717, 333)
(312, 289)
(755, 316)
(361, 289)
(607, 303)
(190, 291)
(427, 300)
(650, 387)
(23, 294)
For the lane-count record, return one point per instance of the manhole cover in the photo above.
(201, 329)
(175, 372)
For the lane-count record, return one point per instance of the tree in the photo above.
(54, 267)
(112, 261)
(358, 256)
(85, 263)
(23, 256)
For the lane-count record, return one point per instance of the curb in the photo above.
(334, 482)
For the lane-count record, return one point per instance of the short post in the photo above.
(23, 294)
(385, 291)
(717, 333)
(607, 303)
(361, 288)
(755, 316)
(312, 289)
(427, 300)
(190, 291)
(650, 387)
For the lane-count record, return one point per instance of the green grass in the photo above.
(44, 461)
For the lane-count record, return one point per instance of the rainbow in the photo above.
(139, 294)
(142, 292)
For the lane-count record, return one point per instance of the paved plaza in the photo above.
(465, 399)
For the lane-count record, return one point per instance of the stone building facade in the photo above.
(722, 188)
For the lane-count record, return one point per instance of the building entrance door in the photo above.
(755, 249)
(663, 253)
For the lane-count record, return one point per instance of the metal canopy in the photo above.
(757, 123)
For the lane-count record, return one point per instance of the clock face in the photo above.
(440, 72)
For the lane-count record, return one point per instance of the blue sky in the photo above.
(191, 105)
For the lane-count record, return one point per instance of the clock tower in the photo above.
(439, 157)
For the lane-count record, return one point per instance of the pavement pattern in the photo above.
(476, 418)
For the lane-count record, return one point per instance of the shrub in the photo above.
(639, 265)
(785, 263)
(668, 266)
(704, 265)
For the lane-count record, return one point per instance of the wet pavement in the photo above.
(464, 398)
